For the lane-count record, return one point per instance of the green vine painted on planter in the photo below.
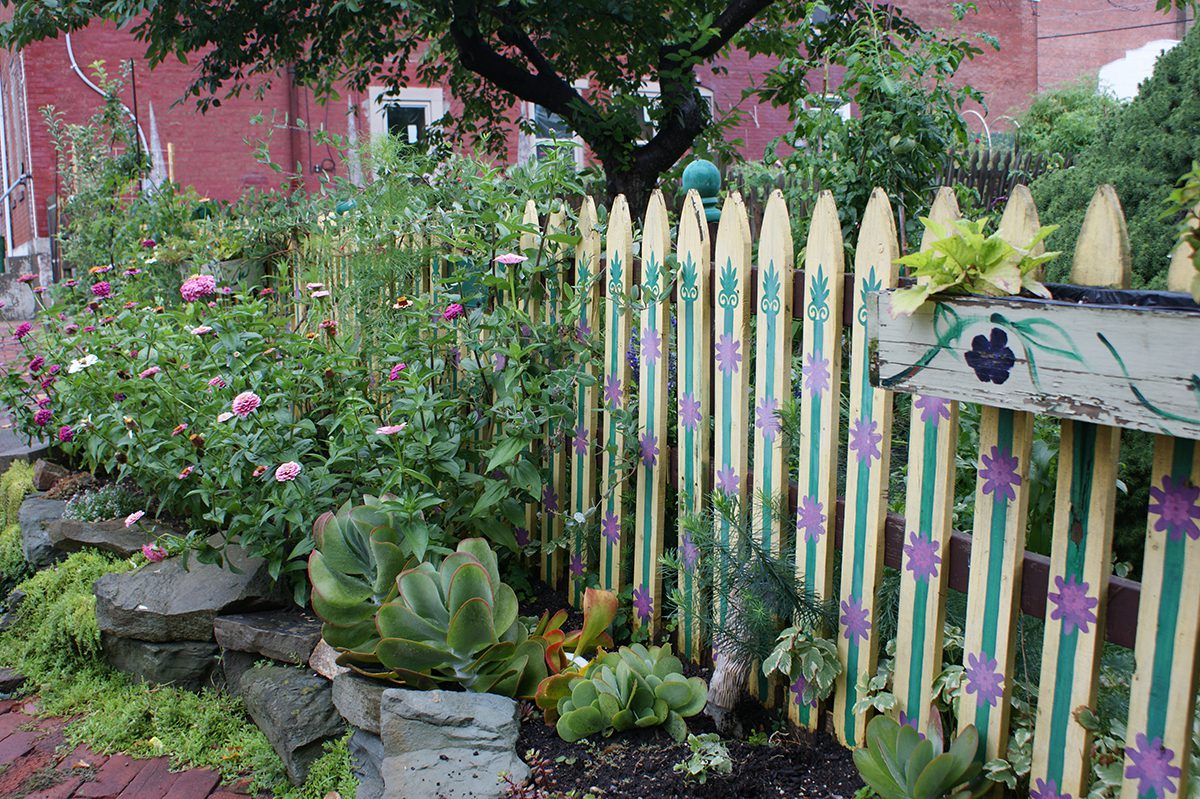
(1193, 386)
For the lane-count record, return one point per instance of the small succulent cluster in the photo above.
(900, 763)
(634, 687)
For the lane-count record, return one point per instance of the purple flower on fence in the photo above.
(729, 355)
(1177, 509)
(999, 473)
(612, 391)
(583, 331)
(990, 357)
(728, 481)
(1072, 604)
(550, 499)
(648, 446)
(522, 536)
(766, 418)
(577, 565)
(580, 441)
(854, 619)
(798, 688)
(983, 679)
(932, 409)
(689, 553)
(643, 603)
(1150, 765)
(610, 528)
(923, 558)
(1047, 789)
(810, 518)
(651, 345)
(864, 441)
(816, 374)
(689, 411)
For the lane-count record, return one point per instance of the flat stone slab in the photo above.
(167, 602)
(185, 664)
(294, 709)
(35, 516)
(323, 661)
(366, 759)
(358, 699)
(285, 635)
(72, 535)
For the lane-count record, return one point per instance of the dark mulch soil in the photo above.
(544, 598)
(641, 764)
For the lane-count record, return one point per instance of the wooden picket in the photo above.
(694, 354)
(617, 374)
(551, 520)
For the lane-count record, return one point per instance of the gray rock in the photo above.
(286, 635)
(46, 474)
(358, 699)
(233, 666)
(167, 602)
(448, 744)
(293, 708)
(366, 760)
(185, 664)
(11, 680)
(35, 516)
(72, 535)
(324, 661)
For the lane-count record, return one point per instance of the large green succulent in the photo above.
(900, 763)
(618, 691)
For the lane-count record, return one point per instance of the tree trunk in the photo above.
(637, 188)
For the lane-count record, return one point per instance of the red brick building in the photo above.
(1042, 44)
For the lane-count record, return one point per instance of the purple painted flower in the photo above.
(999, 473)
(798, 688)
(610, 528)
(728, 481)
(932, 408)
(577, 565)
(651, 345)
(583, 332)
(1072, 604)
(522, 536)
(550, 499)
(816, 374)
(689, 553)
(983, 678)
(580, 441)
(864, 441)
(643, 603)
(612, 390)
(990, 357)
(854, 619)
(689, 411)
(1047, 789)
(729, 355)
(766, 418)
(923, 558)
(810, 518)
(1177, 508)
(1150, 765)
(648, 446)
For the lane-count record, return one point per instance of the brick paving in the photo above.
(36, 763)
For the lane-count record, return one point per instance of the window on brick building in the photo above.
(407, 113)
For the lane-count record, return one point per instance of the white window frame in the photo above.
(432, 101)
(651, 90)
(529, 142)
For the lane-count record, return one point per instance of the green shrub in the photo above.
(1066, 120)
(13, 566)
(1142, 150)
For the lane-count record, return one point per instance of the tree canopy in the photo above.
(490, 55)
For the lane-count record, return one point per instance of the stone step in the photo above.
(289, 636)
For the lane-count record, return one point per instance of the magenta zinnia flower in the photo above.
(37, 363)
(153, 552)
(65, 433)
(201, 330)
(453, 311)
(217, 382)
(287, 471)
(151, 372)
(26, 278)
(197, 286)
(22, 330)
(43, 417)
(246, 403)
(396, 370)
(102, 289)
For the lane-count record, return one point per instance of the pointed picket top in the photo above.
(731, 376)
(928, 523)
(616, 385)
(654, 340)
(583, 436)
(1019, 222)
(1183, 269)
(820, 404)
(1102, 255)
(867, 463)
(693, 331)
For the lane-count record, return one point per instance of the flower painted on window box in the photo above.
(728, 481)
(689, 411)
(999, 473)
(922, 557)
(643, 603)
(1150, 764)
(610, 528)
(932, 409)
(983, 679)
(990, 357)
(648, 447)
(1177, 507)
(854, 619)
(810, 518)
(1072, 605)
(816, 374)
(729, 355)
(864, 441)
(766, 418)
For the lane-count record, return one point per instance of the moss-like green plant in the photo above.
(15, 483)
(900, 763)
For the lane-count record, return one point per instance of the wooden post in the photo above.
(617, 375)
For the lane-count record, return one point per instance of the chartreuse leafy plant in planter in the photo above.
(900, 763)
(966, 260)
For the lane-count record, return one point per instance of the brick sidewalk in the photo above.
(36, 763)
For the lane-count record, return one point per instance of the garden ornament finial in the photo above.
(703, 176)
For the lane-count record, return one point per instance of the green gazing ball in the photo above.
(705, 178)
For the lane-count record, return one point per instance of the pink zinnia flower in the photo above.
(149, 243)
(287, 471)
(217, 382)
(132, 518)
(72, 283)
(153, 552)
(390, 429)
(43, 417)
(314, 286)
(453, 311)
(132, 272)
(510, 258)
(201, 330)
(65, 433)
(102, 289)
(187, 472)
(26, 278)
(71, 328)
(266, 292)
(39, 289)
(197, 286)
(151, 372)
(22, 330)
(89, 329)
(316, 295)
(54, 368)
(396, 370)
(179, 428)
(246, 403)
(37, 363)
(129, 306)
